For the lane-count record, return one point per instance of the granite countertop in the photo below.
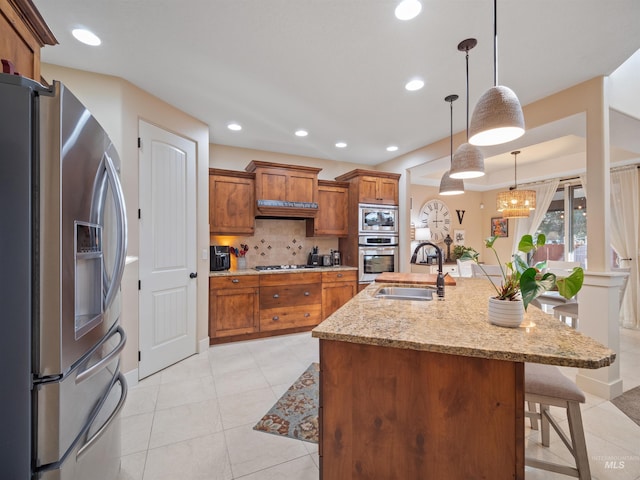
(459, 326)
(251, 271)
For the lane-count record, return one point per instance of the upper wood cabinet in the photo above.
(285, 190)
(23, 32)
(332, 218)
(231, 202)
(371, 186)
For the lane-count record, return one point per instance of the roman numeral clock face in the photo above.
(435, 215)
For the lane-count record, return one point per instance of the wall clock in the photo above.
(435, 215)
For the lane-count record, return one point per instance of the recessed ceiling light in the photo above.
(415, 84)
(341, 144)
(392, 148)
(408, 9)
(301, 133)
(236, 127)
(86, 37)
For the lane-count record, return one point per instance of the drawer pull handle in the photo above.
(306, 294)
(235, 280)
(276, 295)
(339, 275)
(275, 318)
(307, 314)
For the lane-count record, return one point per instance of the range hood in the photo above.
(285, 209)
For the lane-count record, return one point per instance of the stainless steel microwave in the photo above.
(376, 219)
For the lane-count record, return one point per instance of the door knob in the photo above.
(193, 274)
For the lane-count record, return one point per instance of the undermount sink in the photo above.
(405, 293)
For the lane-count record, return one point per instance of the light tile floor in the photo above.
(193, 420)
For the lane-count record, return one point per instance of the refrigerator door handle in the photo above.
(94, 369)
(121, 237)
(108, 176)
(110, 420)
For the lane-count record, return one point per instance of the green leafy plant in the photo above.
(522, 281)
(458, 251)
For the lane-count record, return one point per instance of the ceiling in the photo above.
(337, 68)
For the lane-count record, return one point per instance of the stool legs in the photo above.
(575, 442)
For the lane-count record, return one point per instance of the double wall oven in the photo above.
(377, 241)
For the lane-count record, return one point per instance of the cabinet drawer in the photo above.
(289, 278)
(234, 281)
(290, 295)
(289, 317)
(340, 276)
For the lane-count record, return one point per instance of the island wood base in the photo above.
(390, 413)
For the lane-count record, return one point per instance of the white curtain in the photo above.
(625, 220)
(544, 195)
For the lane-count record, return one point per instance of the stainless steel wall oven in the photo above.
(377, 254)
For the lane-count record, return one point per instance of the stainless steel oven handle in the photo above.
(111, 418)
(90, 372)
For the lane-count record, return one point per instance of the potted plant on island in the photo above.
(521, 283)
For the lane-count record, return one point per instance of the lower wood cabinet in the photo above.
(233, 305)
(290, 300)
(252, 306)
(337, 289)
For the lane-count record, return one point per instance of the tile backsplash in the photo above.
(277, 242)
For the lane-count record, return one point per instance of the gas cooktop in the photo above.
(283, 267)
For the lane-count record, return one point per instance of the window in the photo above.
(565, 226)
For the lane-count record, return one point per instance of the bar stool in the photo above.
(568, 310)
(547, 386)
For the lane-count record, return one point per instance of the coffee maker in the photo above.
(219, 258)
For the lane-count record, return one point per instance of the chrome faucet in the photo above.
(440, 279)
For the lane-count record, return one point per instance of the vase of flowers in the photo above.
(522, 283)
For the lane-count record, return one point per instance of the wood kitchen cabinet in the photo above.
(231, 202)
(279, 184)
(290, 300)
(338, 287)
(332, 218)
(233, 305)
(23, 32)
(371, 186)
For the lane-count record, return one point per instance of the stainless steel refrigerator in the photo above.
(62, 248)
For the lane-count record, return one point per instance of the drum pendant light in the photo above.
(468, 161)
(498, 116)
(516, 203)
(448, 185)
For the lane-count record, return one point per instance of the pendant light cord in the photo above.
(451, 136)
(467, 58)
(515, 170)
(495, 43)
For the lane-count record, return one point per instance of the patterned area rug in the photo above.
(629, 403)
(295, 414)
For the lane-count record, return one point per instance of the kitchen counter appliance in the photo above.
(377, 219)
(219, 258)
(63, 253)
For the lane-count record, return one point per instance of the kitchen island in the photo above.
(431, 390)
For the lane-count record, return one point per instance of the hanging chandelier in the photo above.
(516, 203)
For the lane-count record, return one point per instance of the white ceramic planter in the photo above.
(506, 313)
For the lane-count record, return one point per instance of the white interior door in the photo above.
(167, 254)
